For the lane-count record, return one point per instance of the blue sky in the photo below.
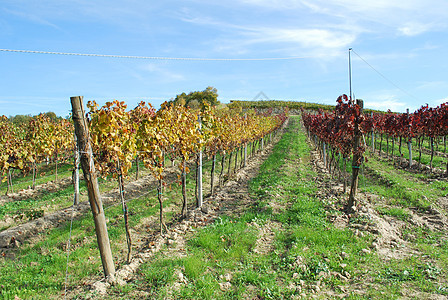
(405, 41)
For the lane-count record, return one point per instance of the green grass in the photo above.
(60, 199)
(399, 186)
(45, 173)
(41, 268)
(220, 261)
(226, 247)
(397, 212)
(438, 161)
(307, 248)
(38, 271)
(46, 202)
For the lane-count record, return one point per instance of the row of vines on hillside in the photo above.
(426, 122)
(23, 147)
(343, 133)
(119, 137)
(339, 133)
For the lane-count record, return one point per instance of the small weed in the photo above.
(159, 272)
(400, 275)
(397, 212)
(361, 219)
(194, 267)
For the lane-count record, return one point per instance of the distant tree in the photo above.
(181, 100)
(198, 99)
(25, 119)
(20, 119)
(194, 104)
(52, 116)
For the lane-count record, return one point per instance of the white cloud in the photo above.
(320, 26)
(415, 28)
(431, 85)
(338, 7)
(320, 40)
(385, 101)
(440, 101)
(427, 46)
(163, 73)
(308, 38)
(32, 18)
(410, 18)
(132, 15)
(385, 105)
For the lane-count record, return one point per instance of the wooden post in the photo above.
(200, 198)
(357, 158)
(324, 154)
(9, 182)
(222, 169)
(88, 168)
(230, 165)
(245, 154)
(409, 145)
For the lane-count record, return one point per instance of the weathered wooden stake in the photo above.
(88, 168)
(245, 154)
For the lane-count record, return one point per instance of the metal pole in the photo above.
(350, 72)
